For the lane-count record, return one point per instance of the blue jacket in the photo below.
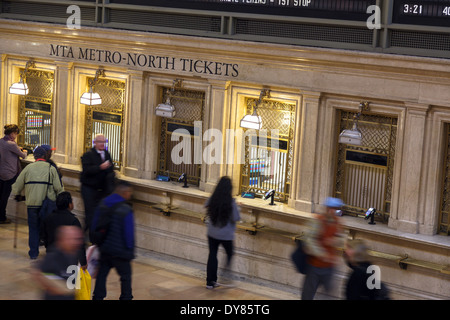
(120, 239)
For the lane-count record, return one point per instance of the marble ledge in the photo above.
(349, 222)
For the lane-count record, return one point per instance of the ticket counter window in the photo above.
(444, 216)
(35, 110)
(107, 118)
(189, 106)
(268, 157)
(364, 173)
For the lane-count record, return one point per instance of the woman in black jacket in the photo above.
(359, 285)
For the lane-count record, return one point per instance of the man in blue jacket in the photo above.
(115, 219)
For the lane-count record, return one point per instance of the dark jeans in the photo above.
(34, 225)
(5, 192)
(212, 265)
(91, 199)
(315, 277)
(123, 267)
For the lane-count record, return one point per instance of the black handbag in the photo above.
(299, 258)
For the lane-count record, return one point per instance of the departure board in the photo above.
(432, 13)
(327, 9)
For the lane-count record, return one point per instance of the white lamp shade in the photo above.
(19, 88)
(351, 136)
(251, 121)
(165, 110)
(91, 98)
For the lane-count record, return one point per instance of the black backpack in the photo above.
(103, 216)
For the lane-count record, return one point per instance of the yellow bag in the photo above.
(84, 293)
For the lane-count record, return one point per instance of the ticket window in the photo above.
(444, 215)
(364, 173)
(35, 110)
(107, 118)
(268, 157)
(189, 106)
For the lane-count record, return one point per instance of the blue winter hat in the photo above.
(334, 202)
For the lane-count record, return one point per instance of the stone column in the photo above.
(216, 117)
(306, 140)
(3, 89)
(133, 150)
(408, 216)
(61, 128)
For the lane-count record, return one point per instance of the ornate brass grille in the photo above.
(189, 106)
(364, 173)
(35, 109)
(107, 118)
(444, 217)
(268, 163)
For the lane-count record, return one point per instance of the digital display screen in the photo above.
(433, 13)
(328, 9)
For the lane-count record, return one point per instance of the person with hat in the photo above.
(322, 241)
(40, 180)
(48, 148)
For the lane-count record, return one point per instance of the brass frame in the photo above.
(444, 228)
(287, 136)
(341, 162)
(183, 95)
(110, 109)
(35, 95)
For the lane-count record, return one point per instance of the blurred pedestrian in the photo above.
(61, 217)
(10, 166)
(114, 217)
(97, 177)
(57, 269)
(222, 215)
(356, 256)
(40, 180)
(48, 148)
(322, 241)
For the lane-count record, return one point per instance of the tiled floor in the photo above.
(154, 277)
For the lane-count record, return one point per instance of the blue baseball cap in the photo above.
(334, 202)
(39, 152)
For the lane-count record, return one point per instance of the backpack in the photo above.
(101, 222)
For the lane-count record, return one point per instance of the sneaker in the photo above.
(212, 285)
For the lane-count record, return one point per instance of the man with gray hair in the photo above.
(97, 177)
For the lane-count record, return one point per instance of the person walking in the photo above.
(356, 256)
(114, 218)
(322, 240)
(222, 215)
(53, 273)
(96, 178)
(40, 180)
(61, 217)
(10, 166)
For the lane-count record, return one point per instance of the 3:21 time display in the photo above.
(417, 9)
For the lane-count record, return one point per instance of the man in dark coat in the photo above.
(61, 217)
(97, 177)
